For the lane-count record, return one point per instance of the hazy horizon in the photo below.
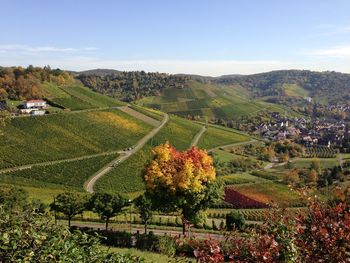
(193, 37)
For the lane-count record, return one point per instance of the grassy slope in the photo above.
(216, 136)
(60, 136)
(127, 177)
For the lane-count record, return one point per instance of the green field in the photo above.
(208, 101)
(127, 177)
(217, 136)
(71, 175)
(241, 178)
(78, 97)
(294, 90)
(30, 140)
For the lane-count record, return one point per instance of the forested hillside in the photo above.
(17, 83)
(130, 86)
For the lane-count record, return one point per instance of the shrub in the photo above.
(234, 220)
(146, 241)
(166, 245)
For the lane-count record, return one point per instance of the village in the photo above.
(309, 132)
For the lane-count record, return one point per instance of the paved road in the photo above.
(198, 136)
(135, 229)
(89, 185)
(29, 166)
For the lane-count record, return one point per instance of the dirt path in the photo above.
(139, 116)
(29, 166)
(272, 165)
(231, 145)
(197, 137)
(89, 185)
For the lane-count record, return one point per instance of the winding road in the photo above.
(89, 185)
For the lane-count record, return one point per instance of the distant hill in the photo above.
(98, 72)
(325, 87)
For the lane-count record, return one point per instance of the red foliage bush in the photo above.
(241, 201)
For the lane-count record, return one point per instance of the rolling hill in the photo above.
(209, 101)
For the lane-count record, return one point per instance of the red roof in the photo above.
(33, 101)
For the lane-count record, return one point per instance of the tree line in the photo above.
(133, 85)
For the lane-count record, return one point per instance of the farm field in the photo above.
(241, 178)
(305, 163)
(61, 136)
(127, 177)
(70, 175)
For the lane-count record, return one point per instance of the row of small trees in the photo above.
(104, 204)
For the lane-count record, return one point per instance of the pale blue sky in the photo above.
(198, 36)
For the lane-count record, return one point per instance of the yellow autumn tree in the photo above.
(182, 181)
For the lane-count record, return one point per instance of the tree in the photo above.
(13, 197)
(315, 165)
(144, 204)
(70, 204)
(107, 205)
(27, 236)
(182, 181)
(312, 176)
(292, 177)
(234, 220)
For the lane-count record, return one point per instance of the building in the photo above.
(38, 112)
(37, 104)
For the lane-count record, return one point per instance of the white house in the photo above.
(35, 104)
(38, 112)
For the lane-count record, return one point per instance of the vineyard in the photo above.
(248, 214)
(61, 136)
(270, 193)
(127, 177)
(78, 97)
(239, 201)
(320, 152)
(70, 175)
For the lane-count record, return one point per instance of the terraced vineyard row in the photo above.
(78, 97)
(61, 136)
(320, 152)
(70, 175)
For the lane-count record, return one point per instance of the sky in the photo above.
(205, 37)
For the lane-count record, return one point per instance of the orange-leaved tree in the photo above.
(182, 181)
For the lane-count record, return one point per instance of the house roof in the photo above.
(33, 101)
